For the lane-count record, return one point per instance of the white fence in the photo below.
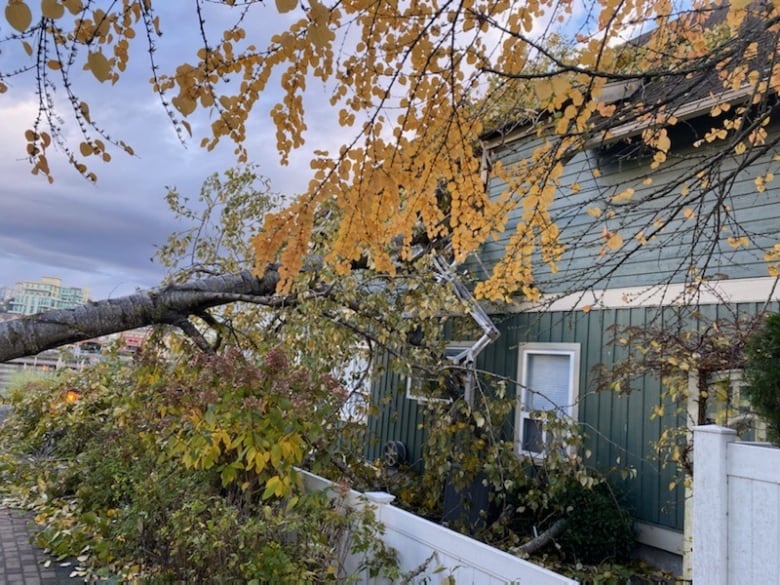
(443, 553)
(736, 510)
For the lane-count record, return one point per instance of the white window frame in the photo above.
(568, 410)
(452, 351)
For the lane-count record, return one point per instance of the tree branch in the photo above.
(169, 304)
(545, 538)
(194, 333)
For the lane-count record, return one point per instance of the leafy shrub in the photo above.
(505, 499)
(599, 528)
(762, 374)
(185, 472)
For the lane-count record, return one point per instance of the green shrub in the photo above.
(599, 528)
(159, 473)
(762, 374)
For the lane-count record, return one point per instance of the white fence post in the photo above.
(710, 504)
(379, 498)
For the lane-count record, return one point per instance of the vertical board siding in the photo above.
(620, 431)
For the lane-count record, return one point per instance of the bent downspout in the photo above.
(445, 272)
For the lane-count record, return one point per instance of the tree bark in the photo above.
(545, 538)
(169, 304)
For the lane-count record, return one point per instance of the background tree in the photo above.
(761, 374)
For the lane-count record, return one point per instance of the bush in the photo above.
(762, 374)
(599, 528)
(163, 473)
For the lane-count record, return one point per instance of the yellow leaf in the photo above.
(73, 6)
(184, 104)
(586, 308)
(286, 5)
(319, 13)
(560, 85)
(52, 9)
(99, 65)
(594, 212)
(18, 15)
(321, 35)
(738, 242)
(614, 241)
(84, 109)
(27, 48)
(85, 149)
(688, 213)
(543, 89)
(272, 487)
(624, 196)
(663, 143)
(606, 110)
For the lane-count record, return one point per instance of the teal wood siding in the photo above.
(620, 430)
(666, 257)
(394, 417)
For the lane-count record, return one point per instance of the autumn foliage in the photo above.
(416, 83)
(184, 470)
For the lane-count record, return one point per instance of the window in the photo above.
(549, 381)
(449, 384)
(728, 407)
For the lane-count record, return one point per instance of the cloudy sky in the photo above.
(102, 236)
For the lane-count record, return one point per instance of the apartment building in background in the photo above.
(35, 296)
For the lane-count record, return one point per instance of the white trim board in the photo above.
(610, 93)
(659, 537)
(742, 290)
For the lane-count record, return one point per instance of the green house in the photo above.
(700, 259)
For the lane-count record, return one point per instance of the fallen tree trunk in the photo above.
(171, 304)
(539, 542)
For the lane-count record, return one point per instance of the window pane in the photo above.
(532, 435)
(547, 375)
